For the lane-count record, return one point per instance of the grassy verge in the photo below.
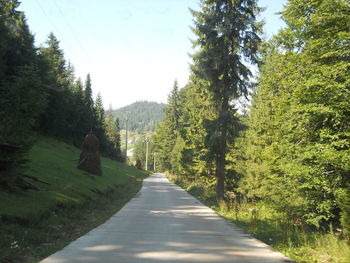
(70, 202)
(263, 222)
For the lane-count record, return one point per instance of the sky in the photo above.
(133, 49)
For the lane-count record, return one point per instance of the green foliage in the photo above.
(296, 150)
(345, 213)
(56, 81)
(39, 92)
(227, 33)
(143, 116)
(168, 131)
(299, 242)
(293, 156)
(113, 136)
(71, 112)
(71, 202)
(88, 103)
(139, 153)
(23, 97)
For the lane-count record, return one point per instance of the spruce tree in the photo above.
(23, 96)
(226, 33)
(297, 152)
(99, 122)
(168, 131)
(113, 136)
(89, 103)
(53, 122)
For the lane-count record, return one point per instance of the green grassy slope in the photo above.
(70, 202)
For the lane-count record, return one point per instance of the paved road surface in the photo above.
(163, 223)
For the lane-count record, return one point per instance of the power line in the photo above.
(73, 32)
(51, 22)
(56, 29)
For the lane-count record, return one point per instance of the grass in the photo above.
(300, 243)
(34, 224)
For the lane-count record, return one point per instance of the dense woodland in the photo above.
(142, 116)
(291, 149)
(40, 95)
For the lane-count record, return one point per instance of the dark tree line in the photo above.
(291, 149)
(41, 95)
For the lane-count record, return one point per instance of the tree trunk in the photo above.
(221, 152)
(220, 178)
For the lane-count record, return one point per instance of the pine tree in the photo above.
(297, 144)
(80, 127)
(168, 131)
(53, 122)
(198, 109)
(113, 136)
(226, 33)
(99, 111)
(23, 96)
(89, 102)
(99, 125)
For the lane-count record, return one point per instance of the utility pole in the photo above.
(147, 141)
(126, 138)
(154, 162)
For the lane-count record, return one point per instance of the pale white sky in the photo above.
(133, 49)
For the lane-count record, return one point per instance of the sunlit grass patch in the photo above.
(69, 203)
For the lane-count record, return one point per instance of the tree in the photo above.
(321, 102)
(79, 125)
(23, 96)
(99, 126)
(140, 152)
(113, 136)
(297, 150)
(89, 103)
(168, 131)
(226, 33)
(53, 122)
(99, 111)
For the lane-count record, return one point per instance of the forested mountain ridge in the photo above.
(143, 116)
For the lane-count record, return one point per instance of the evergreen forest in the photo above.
(278, 166)
(142, 116)
(40, 96)
(289, 152)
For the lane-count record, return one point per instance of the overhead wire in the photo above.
(73, 32)
(57, 30)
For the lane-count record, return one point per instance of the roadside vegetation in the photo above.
(67, 203)
(299, 242)
(280, 163)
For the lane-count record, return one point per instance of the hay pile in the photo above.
(90, 156)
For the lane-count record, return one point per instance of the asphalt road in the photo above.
(163, 223)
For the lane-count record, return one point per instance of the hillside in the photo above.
(69, 202)
(143, 116)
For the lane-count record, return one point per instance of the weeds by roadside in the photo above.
(299, 242)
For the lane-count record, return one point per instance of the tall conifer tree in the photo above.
(89, 102)
(53, 121)
(226, 33)
(22, 97)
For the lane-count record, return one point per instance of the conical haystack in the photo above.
(90, 156)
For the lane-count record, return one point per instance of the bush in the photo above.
(345, 213)
(195, 190)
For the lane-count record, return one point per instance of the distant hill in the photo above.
(143, 116)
